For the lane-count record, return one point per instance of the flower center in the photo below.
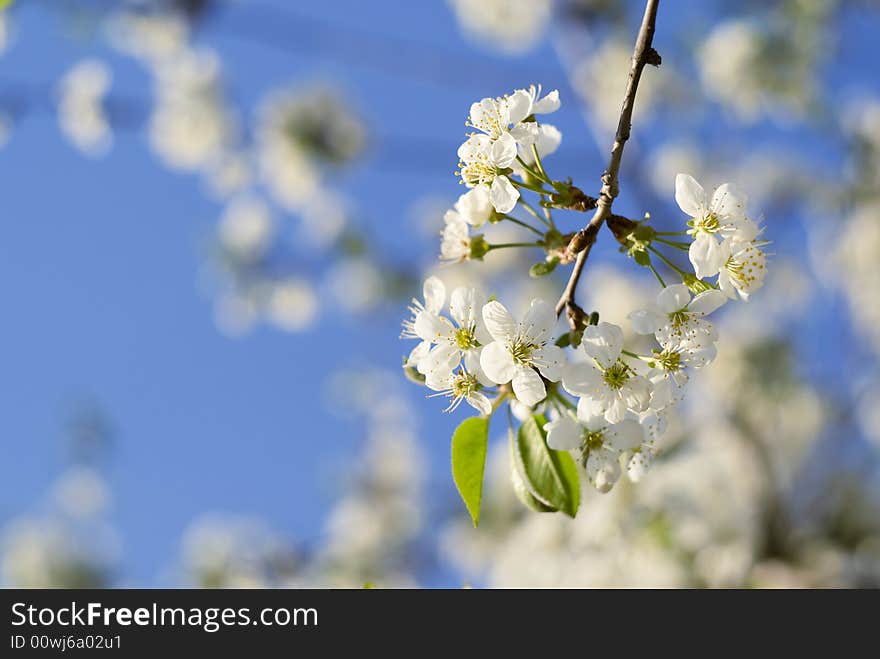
(464, 338)
(491, 123)
(679, 318)
(465, 384)
(708, 223)
(522, 352)
(593, 440)
(478, 170)
(669, 360)
(746, 267)
(617, 375)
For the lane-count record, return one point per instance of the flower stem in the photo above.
(538, 162)
(506, 245)
(524, 224)
(529, 186)
(531, 170)
(674, 243)
(667, 261)
(657, 274)
(531, 211)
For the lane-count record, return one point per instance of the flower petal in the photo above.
(435, 294)
(528, 385)
(707, 302)
(538, 322)
(705, 255)
(550, 361)
(519, 105)
(465, 306)
(591, 414)
(646, 321)
(603, 469)
(564, 433)
(418, 353)
(603, 342)
(497, 363)
(499, 322)
(503, 194)
(443, 358)
(475, 206)
(431, 327)
(472, 365)
(503, 151)
(673, 298)
(615, 412)
(581, 379)
(624, 436)
(550, 103)
(689, 195)
(480, 403)
(636, 393)
(727, 202)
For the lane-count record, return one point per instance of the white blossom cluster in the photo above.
(510, 26)
(475, 350)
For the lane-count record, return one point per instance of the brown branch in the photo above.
(583, 240)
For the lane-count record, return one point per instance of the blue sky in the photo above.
(100, 260)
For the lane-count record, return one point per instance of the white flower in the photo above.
(672, 364)
(452, 341)
(723, 216)
(434, 293)
(512, 26)
(679, 321)
(455, 240)
(81, 107)
(190, 126)
(601, 443)
(484, 161)
(293, 305)
(604, 382)
(521, 350)
(653, 425)
(246, 227)
(496, 117)
(744, 266)
(460, 386)
(537, 104)
(475, 206)
(548, 140)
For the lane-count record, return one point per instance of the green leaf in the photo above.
(550, 476)
(469, 444)
(516, 479)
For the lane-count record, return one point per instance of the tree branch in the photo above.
(583, 240)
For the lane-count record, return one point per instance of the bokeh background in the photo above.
(215, 212)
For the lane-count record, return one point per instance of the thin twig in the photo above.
(583, 240)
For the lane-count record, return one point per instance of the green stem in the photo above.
(497, 402)
(531, 170)
(529, 186)
(547, 213)
(524, 224)
(506, 245)
(673, 243)
(667, 261)
(657, 274)
(531, 210)
(538, 162)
